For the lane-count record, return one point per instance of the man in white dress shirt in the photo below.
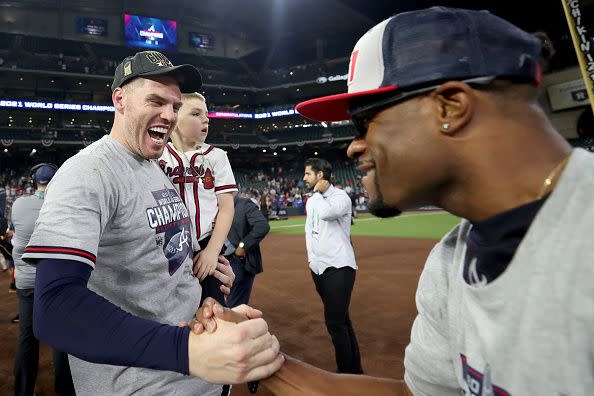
(332, 259)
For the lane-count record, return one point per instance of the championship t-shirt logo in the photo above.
(171, 218)
(477, 383)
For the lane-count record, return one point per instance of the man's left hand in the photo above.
(204, 319)
(240, 252)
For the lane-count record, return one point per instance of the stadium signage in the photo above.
(338, 77)
(568, 94)
(24, 104)
(279, 113)
(229, 114)
(91, 26)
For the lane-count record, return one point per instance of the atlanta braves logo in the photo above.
(477, 383)
(208, 180)
(170, 217)
(189, 174)
(183, 240)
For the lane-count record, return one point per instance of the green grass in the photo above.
(431, 225)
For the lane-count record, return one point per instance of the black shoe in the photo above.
(15, 319)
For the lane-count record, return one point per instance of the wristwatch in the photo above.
(241, 245)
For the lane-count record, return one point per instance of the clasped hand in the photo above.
(240, 350)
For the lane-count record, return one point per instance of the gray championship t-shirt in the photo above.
(24, 213)
(120, 214)
(528, 332)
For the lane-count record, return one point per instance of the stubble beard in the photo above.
(133, 139)
(378, 207)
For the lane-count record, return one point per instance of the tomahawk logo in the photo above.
(477, 383)
(171, 218)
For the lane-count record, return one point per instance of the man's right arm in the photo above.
(297, 378)
(71, 318)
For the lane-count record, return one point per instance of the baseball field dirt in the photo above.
(382, 307)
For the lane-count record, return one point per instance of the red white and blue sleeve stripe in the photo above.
(60, 253)
(226, 188)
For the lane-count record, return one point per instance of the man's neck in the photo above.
(495, 186)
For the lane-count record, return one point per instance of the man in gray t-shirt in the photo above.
(445, 106)
(113, 250)
(25, 211)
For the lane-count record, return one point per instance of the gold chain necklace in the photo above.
(551, 176)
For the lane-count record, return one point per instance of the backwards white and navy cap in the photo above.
(426, 47)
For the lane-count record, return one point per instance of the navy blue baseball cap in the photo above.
(44, 173)
(426, 47)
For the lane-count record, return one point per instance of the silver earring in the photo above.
(445, 126)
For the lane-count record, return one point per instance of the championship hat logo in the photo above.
(158, 59)
(128, 68)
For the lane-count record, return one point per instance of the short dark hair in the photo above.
(320, 165)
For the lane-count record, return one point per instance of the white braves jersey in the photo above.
(199, 176)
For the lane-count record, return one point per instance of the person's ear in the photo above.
(117, 97)
(455, 103)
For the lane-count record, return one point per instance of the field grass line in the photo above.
(366, 219)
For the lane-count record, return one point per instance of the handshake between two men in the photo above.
(246, 351)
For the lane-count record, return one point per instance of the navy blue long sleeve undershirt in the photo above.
(71, 318)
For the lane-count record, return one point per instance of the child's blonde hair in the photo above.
(191, 95)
